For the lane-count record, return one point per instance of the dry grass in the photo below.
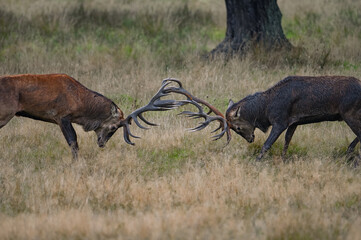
(174, 184)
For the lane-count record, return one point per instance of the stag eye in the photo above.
(238, 129)
(113, 128)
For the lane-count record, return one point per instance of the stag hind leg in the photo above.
(289, 134)
(5, 118)
(70, 136)
(7, 110)
(4, 122)
(352, 146)
(8, 107)
(350, 149)
(355, 124)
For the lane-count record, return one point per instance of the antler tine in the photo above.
(225, 130)
(172, 80)
(208, 120)
(127, 133)
(200, 114)
(155, 104)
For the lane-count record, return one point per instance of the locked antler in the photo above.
(200, 114)
(155, 104)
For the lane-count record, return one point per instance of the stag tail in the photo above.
(155, 104)
(224, 124)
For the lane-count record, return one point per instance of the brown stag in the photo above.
(60, 99)
(294, 101)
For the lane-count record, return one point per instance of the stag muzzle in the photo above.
(101, 142)
(250, 139)
(249, 136)
(103, 139)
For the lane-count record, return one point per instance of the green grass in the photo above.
(163, 162)
(276, 150)
(170, 38)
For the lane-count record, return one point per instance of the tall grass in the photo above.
(174, 184)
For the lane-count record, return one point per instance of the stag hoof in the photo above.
(74, 151)
(259, 157)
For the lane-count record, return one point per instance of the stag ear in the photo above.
(238, 112)
(230, 103)
(114, 111)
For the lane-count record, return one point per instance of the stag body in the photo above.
(60, 99)
(294, 101)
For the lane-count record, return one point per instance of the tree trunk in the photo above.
(252, 24)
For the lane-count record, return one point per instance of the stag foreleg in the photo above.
(275, 133)
(70, 136)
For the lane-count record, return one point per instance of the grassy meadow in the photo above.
(174, 184)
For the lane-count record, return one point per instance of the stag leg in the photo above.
(355, 126)
(352, 146)
(275, 133)
(350, 149)
(8, 106)
(289, 134)
(5, 118)
(70, 136)
(4, 122)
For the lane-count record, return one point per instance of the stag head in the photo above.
(237, 123)
(109, 126)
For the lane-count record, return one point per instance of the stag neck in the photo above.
(256, 108)
(98, 110)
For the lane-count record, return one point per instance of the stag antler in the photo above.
(201, 114)
(155, 104)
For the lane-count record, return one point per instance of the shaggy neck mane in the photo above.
(98, 109)
(255, 108)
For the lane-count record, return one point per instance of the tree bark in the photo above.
(252, 24)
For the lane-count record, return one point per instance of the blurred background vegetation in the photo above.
(171, 34)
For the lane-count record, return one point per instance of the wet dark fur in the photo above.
(298, 100)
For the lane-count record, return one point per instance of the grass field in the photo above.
(174, 184)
